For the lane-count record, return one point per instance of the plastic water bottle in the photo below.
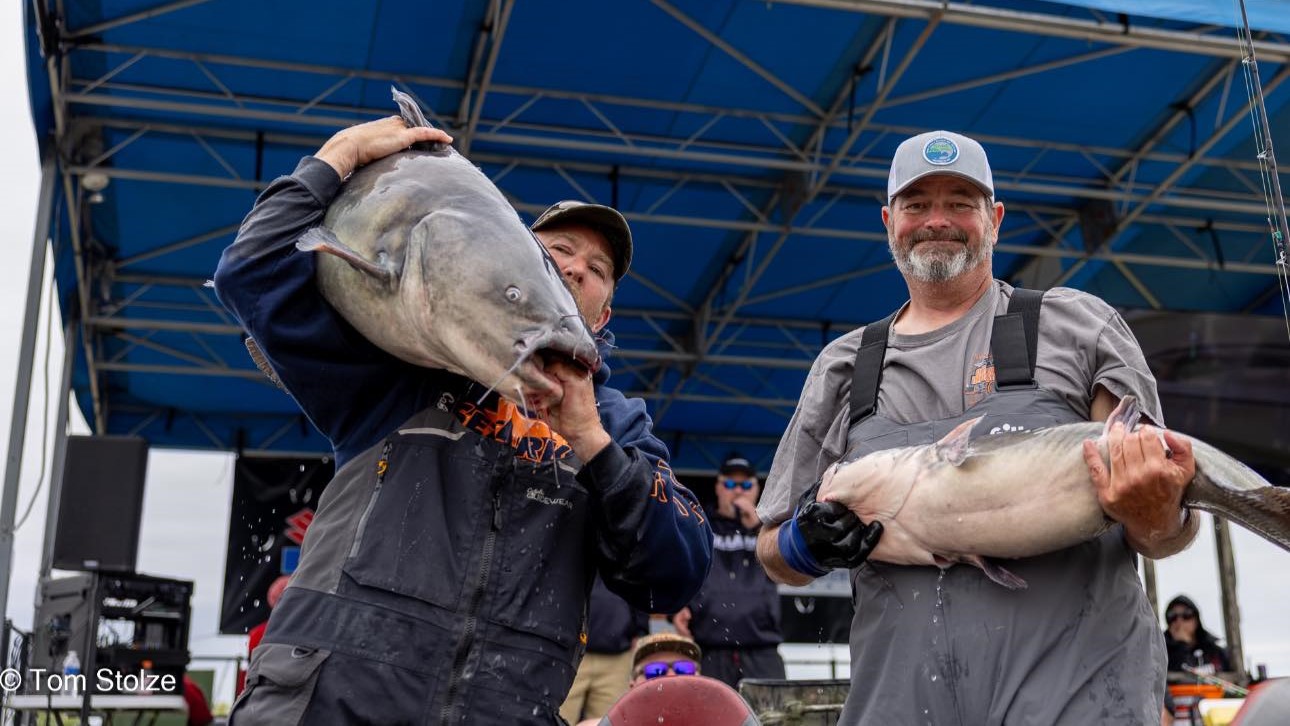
(71, 674)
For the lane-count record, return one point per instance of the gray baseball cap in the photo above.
(938, 152)
(605, 220)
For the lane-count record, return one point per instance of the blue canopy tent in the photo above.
(746, 141)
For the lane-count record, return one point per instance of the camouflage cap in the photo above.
(662, 642)
(605, 220)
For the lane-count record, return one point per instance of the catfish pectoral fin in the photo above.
(321, 239)
(996, 572)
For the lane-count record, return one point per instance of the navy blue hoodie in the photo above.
(654, 543)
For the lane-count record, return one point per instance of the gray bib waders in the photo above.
(952, 648)
(443, 580)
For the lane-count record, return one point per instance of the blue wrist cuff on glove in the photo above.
(792, 547)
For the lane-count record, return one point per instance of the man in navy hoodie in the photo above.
(445, 576)
(735, 618)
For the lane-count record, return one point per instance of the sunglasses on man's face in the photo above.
(661, 667)
(1180, 615)
(746, 484)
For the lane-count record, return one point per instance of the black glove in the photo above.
(835, 536)
(826, 535)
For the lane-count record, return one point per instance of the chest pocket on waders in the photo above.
(430, 505)
(544, 551)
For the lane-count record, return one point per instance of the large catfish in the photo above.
(427, 259)
(1022, 494)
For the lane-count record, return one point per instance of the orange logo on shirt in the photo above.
(533, 440)
(980, 382)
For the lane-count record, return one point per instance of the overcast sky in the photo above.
(187, 502)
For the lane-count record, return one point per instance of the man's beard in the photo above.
(935, 265)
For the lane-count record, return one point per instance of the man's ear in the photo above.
(599, 324)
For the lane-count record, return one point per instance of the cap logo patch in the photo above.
(941, 151)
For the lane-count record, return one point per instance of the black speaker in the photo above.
(101, 503)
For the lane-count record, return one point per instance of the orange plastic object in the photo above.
(1196, 691)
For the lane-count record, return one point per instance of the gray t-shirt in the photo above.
(1083, 342)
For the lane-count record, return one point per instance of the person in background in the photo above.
(256, 634)
(658, 655)
(1187, 641)
(274, 594)
(199, 710)
(665, 654)
(735, 616)
(606, 669)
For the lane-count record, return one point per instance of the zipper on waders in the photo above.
(467, 642)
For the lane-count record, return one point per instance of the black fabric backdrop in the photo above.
(273, 502)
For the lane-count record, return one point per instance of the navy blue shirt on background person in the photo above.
(735, 618)
(411, 598)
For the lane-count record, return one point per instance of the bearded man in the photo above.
(931, 646)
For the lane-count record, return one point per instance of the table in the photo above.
(105, 704)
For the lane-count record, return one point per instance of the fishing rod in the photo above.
(1275, 203)
(1227, 685)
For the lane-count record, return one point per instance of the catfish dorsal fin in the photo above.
(956, 446)
(412, 116)
(321, 239)
(1127, 412)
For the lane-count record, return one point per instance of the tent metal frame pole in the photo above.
(497, 33)
(1191, 202)
(230, 329)
(958, 13)
(778, 153)
(1060, 187)
(1177, 173)
(723, 270)
(1149, 584)
(1231, 605)
(97, 28)
(59, 455)
(313, 141)
(1143, 154)
(888, 85)
(22, 384)
(825, 233)
(739, 57)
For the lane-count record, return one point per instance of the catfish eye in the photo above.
(513, 294)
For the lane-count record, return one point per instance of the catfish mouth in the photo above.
(541, 349)
(546, 356)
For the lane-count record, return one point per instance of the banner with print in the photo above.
(273, 504)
